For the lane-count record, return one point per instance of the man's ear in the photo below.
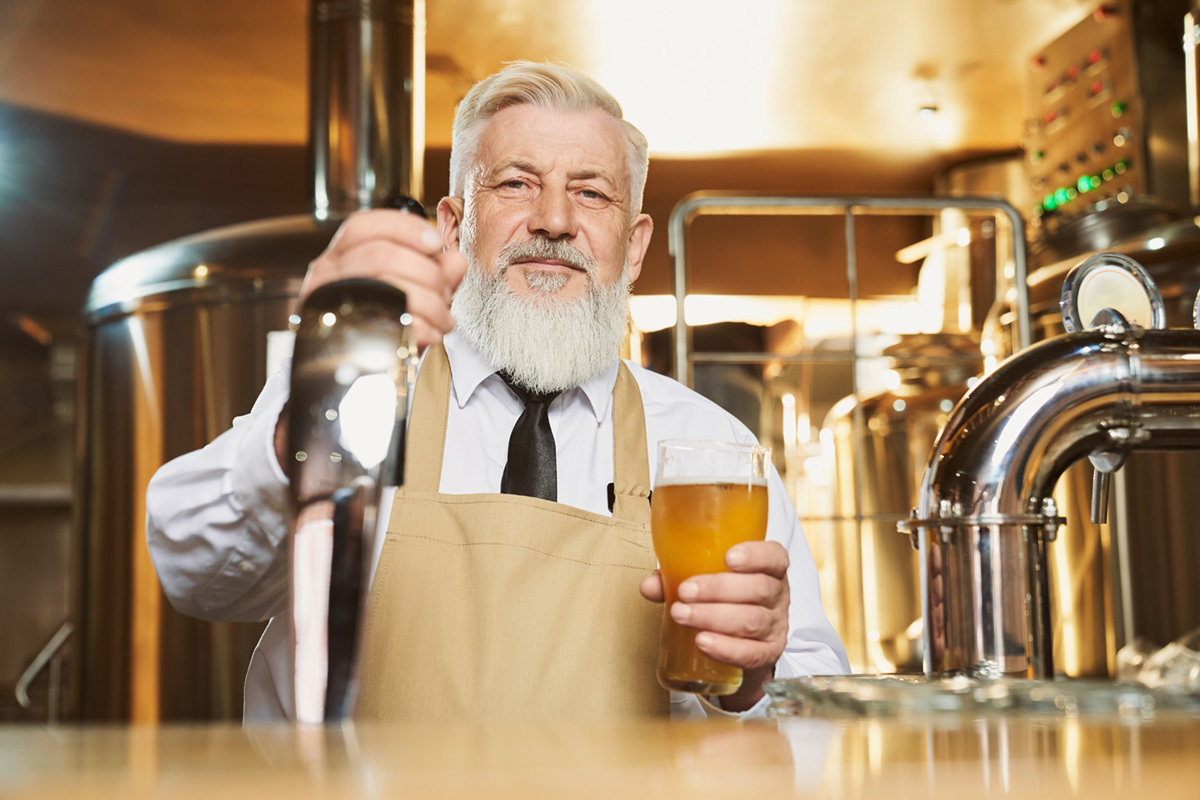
(639, 243)
(449, 219)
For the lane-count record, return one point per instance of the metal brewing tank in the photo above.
(176, 347)
(881, 446)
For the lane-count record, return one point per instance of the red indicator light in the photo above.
(1050, 117)
(1073, 71)
(1106, 11)
(1094, 57)
(1037, 62)
(1096, 88)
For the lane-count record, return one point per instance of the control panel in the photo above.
(1086, 132)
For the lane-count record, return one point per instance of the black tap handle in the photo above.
(403, 202)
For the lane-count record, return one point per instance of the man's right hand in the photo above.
(398, 248)
(401, 249)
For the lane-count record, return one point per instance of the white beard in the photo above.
(546, 344)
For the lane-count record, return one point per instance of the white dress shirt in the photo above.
(216, 516)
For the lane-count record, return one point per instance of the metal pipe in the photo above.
(985, 496)
(367, 106)
(707, 203)
(1014, 434)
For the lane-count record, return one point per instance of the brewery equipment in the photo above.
(177, 341)
(986, 513)
(1106, 123)
(891, 432)
(353, 368)
(1111, 141)
(861, 478)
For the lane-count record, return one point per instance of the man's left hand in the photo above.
(741, 615)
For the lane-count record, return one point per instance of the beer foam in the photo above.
(708, 480)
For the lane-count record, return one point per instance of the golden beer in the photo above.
(694, 521)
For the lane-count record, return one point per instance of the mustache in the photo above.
(544, 249)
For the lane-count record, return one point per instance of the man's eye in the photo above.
(592, 194)
(514, 184)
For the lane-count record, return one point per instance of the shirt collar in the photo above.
(468, 370)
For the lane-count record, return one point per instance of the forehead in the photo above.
(549, 141)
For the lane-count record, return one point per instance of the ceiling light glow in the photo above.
(719, 76)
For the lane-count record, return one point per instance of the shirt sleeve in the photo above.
(216, 519)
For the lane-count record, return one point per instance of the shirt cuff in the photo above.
(712, 708)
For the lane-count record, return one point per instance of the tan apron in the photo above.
(508, 607)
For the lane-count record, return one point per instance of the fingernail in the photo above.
(688, 591)
(735, 558)
(430, 238)
(704, 640)
(680, 612)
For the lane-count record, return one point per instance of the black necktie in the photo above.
(532, 468)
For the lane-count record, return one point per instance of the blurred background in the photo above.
(873, 197)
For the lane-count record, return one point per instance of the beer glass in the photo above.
(708, 496)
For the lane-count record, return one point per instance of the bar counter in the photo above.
(954, 755)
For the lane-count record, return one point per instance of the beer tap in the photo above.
(1121, 383)
(353, 369)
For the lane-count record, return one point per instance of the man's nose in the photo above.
(552, 215)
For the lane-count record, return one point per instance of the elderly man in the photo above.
(495, 594)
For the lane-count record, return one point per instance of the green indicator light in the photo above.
(1049, 203)
(1119, 108)
(1061, 196)
(1038, 211)
(1084, 183)
(1071, 193)
(1108, 174)
(1036, 156)
(1095, 179)
(1121, 166)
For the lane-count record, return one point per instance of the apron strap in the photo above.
(631, 468)
(426, 436)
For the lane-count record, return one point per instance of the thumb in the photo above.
(652, 587)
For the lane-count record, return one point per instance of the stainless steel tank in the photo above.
(177, 345)
(881, 446)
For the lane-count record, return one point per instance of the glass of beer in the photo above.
(708, 496)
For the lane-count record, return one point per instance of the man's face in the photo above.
(554, 177)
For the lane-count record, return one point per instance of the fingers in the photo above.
(400, 227)
(747, 636)
(749, 654)
(729, 619)
(741, 615)
(400, 249)
(768, 557)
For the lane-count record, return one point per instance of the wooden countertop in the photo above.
(952, 756)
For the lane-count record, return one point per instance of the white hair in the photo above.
(548, 86)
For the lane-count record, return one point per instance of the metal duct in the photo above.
(176, 346)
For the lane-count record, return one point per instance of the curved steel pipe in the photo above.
(985, 511)
(1012, 436)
